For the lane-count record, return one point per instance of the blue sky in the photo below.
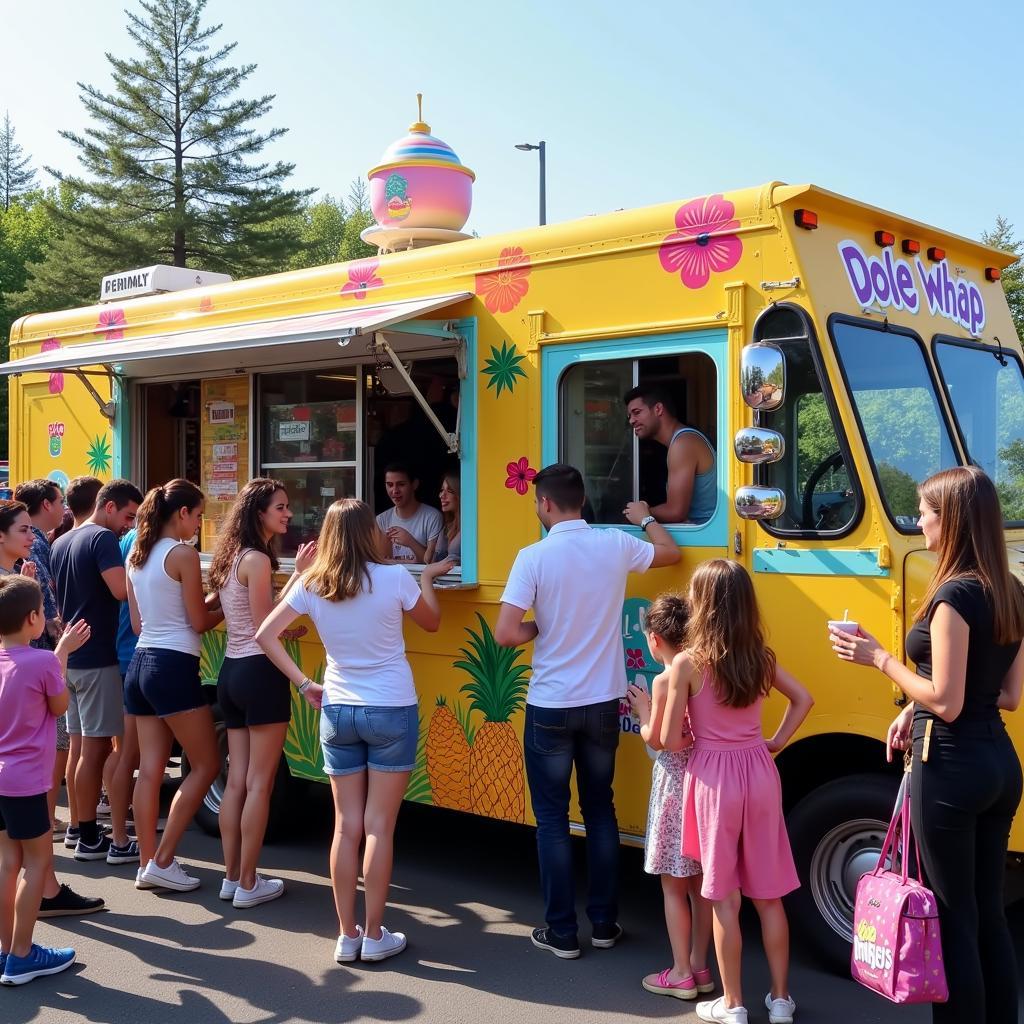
(906, 105)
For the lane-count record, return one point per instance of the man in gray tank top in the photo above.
(692, 489)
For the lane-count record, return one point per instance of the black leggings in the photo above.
(963, 800)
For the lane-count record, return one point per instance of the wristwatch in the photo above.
(646, 521)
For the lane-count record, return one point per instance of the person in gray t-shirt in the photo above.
(410, 525)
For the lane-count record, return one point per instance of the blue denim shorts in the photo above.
(358, 736)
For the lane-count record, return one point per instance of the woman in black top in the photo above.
(966, 780)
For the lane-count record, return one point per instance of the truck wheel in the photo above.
(208, 815)
(836, 833)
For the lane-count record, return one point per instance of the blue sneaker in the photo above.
(3, 962)
(40, 961)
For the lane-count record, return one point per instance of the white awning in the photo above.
(292, 340)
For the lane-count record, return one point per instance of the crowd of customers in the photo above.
(100, 635)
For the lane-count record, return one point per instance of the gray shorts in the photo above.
(97, 701)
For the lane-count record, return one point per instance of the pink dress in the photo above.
(732, 803)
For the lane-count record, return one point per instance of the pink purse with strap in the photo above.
(897, 949)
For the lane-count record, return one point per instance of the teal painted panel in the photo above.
(818, 562)
(556, 359)
(469, 462)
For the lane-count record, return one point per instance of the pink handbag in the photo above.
(897, 949)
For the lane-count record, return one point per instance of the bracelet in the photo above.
(646, 521)
(304, 685)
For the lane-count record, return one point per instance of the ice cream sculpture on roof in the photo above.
(420, 192)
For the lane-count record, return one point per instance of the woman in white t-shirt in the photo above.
(369, 723)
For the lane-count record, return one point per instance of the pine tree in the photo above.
(1002, 237)
(352, 246)
(172, 174)
(16, 175)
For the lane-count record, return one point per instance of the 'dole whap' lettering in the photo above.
(889, 280)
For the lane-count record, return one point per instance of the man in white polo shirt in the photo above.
(575, 581)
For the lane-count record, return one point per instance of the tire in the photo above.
(208, 815)
(836, 832)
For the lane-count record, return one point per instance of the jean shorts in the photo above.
(358, 736)
(161, 683)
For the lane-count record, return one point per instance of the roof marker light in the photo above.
(911, 247)
(992, 274)
(806, 219)
(885, 239)
(935, 254)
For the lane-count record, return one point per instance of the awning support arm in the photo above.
(451, 440)
(107, 408)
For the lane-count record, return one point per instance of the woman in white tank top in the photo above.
(162, 687)
(254, 696)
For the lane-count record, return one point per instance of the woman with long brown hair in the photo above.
(448, 543)
(966, 777)
(162, 689)
(253, 694)
(369, 723)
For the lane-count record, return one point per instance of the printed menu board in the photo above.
(224, 433)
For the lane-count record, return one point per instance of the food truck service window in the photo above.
(585, 422)
(309, 439)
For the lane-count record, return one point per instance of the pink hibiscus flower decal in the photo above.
(519, 475)
(110, 323)
(635, 658)
(503, 288)
(56, 379)
(205, 304)
(702, 244)
(362, 275)
(294, 634)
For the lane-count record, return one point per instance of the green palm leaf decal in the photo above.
(418, 789)
(497, 688)
(211, 655)
(503, 368)
(302, 743)
(98, 455)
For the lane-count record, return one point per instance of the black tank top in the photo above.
(987, 661)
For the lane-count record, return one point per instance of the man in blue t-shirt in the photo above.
(90, 578)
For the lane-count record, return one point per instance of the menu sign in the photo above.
(225, 447)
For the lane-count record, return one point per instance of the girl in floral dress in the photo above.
(689, 932)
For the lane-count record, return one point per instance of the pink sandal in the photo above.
(705, 983)
(661, 986)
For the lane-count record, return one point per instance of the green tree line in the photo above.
(170, 171)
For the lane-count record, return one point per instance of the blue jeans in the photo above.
(554, 740)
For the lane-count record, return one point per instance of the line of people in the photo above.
(716, 831)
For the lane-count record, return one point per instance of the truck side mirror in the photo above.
(763, 376)
(755, 445)
(760, 502)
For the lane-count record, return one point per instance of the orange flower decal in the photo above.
(503, 288)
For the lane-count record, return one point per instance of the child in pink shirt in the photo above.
(32, 696)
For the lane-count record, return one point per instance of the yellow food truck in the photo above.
(834, 354)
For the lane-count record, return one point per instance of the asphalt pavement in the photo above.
(464, 891)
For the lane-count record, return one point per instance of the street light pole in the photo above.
(541, 148)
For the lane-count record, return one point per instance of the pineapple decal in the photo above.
(448, 759)
(497, 787)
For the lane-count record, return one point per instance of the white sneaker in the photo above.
(715, 1010)
(387, 945)
(781, 1010)
(265, 890)
(141, 883)
(170, 877)
(227, 889)
(347, 949)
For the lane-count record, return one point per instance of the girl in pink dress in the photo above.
(687, 913)
(732, 799)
